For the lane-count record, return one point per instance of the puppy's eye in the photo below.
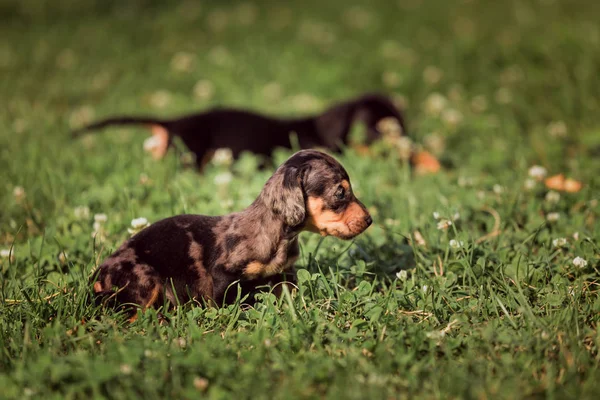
(340, 193)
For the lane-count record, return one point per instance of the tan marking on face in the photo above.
(97, 287)
(346, 185)
(158, 144)
(344, 225)
(256, 269)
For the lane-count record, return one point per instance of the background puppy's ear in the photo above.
(283, 193)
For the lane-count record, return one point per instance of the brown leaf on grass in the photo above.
(362, 149)
(559, 183)
(572, 186)
(425, 163)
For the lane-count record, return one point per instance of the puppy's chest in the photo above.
(283, 259)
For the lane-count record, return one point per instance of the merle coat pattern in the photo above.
(196, 257)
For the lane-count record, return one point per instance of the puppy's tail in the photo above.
(120, 121)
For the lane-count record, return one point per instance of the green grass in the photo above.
(503, 316)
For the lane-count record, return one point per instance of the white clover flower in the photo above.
(479, 104)
(81, 212)
(464, 181)
(455, 94)
(436, 215)
(8, 254)
(97, 226)
(432, 75)
(63, 257)
(19, 192)
(204, 90)
(435, 143)
(552, 197)
(220, 55)
(452, 117)
(530, 184)
(81, 116)
(223, 178)
(456, 244)
(498, 189)
(557, 129)
(444, 224)
(100, 218)
(435, 104)
(552, 217)
(227, 203)
(392, 222)
(579, 262)
(160, 99)
(126, 369)
(99, 221)
(182, 62)
(456, 216)
(223, 157)
(138, 223)
(576, 236)
(305, 102)
(389, 126)
(436, 335)
(537, 172)
(425, 288)
(559, 242)
(402, 275)
(404, 146)
(391, 79)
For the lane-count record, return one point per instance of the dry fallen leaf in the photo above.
(558, 182)
(425, 163)
(362, 149)
(572, 186)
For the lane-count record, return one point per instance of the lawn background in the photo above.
(492, 88)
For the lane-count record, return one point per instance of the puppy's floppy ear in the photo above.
(284, 194)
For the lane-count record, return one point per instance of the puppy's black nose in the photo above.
(368, 220)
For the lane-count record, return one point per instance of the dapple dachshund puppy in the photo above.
(240, 130)
(196, 257)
